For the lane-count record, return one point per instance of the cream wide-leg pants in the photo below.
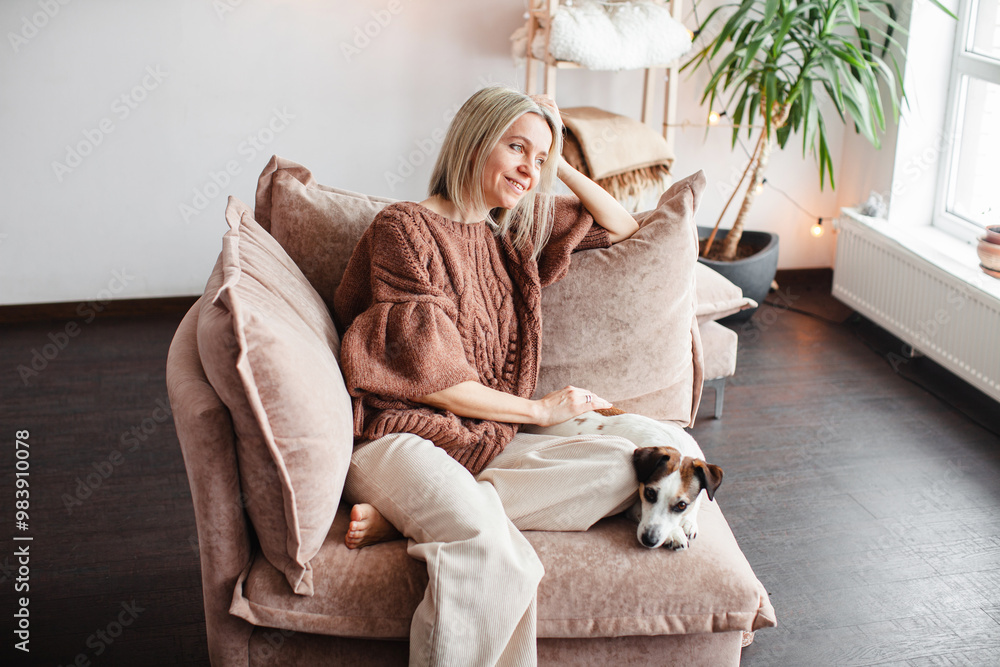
(479, 606)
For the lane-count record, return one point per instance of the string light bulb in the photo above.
(817, 229)
(714, 117)
(690, 34)
(760, 187)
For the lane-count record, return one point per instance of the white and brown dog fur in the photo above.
(669, 465)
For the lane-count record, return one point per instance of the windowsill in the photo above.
(948, 253)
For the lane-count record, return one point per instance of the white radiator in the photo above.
(936, 313)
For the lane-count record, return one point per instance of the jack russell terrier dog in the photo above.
(670, 467)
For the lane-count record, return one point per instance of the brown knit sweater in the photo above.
(427, 303)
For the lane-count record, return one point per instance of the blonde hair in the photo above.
(458, 173)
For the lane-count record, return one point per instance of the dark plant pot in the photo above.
(753, 274)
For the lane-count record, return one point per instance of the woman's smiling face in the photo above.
(515, 163)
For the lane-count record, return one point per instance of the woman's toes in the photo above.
(362, 512)
(368, 526)
(362, 529)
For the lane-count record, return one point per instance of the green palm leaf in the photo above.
(771, 54)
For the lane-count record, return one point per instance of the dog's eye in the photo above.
(680, 507)
(650, 494)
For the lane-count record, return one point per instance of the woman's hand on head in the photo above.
(564, 404)
(548, 103)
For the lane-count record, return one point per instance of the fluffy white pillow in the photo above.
(624, 35)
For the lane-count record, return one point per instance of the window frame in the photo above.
(964, 62)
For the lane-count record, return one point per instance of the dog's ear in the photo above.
(710, 476)
(645, 460)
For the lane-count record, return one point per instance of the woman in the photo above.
(441, 306)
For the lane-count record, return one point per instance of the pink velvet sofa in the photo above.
(265, 432)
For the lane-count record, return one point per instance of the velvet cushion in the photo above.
(269, 348)
(598, 583)
(717, 296)
(622, 322)
(317, 225)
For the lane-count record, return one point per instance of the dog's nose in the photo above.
(648, 541)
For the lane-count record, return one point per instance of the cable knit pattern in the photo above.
(427, 303)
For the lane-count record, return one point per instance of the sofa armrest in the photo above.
(205, 432)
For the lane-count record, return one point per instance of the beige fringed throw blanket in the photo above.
(623, 155)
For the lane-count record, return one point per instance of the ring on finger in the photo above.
(589, 398)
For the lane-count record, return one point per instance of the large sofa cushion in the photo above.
(601, 583)
(318, 226)
(622, 322)
(269, 348)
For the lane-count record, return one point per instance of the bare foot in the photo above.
(368, 527)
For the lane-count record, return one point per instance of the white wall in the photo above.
(922, 141)
(158, 99)
(907, 168)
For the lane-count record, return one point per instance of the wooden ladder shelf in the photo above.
(540, 20)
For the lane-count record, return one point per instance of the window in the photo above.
(969, 190)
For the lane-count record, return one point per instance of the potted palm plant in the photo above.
(772, 63)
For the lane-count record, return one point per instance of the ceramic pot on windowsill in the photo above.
(989, 251)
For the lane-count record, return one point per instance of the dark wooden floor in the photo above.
(868, 507)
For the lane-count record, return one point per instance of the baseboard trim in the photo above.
(90, 310)
(804, 276)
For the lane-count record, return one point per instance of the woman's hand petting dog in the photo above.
(566, 403)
